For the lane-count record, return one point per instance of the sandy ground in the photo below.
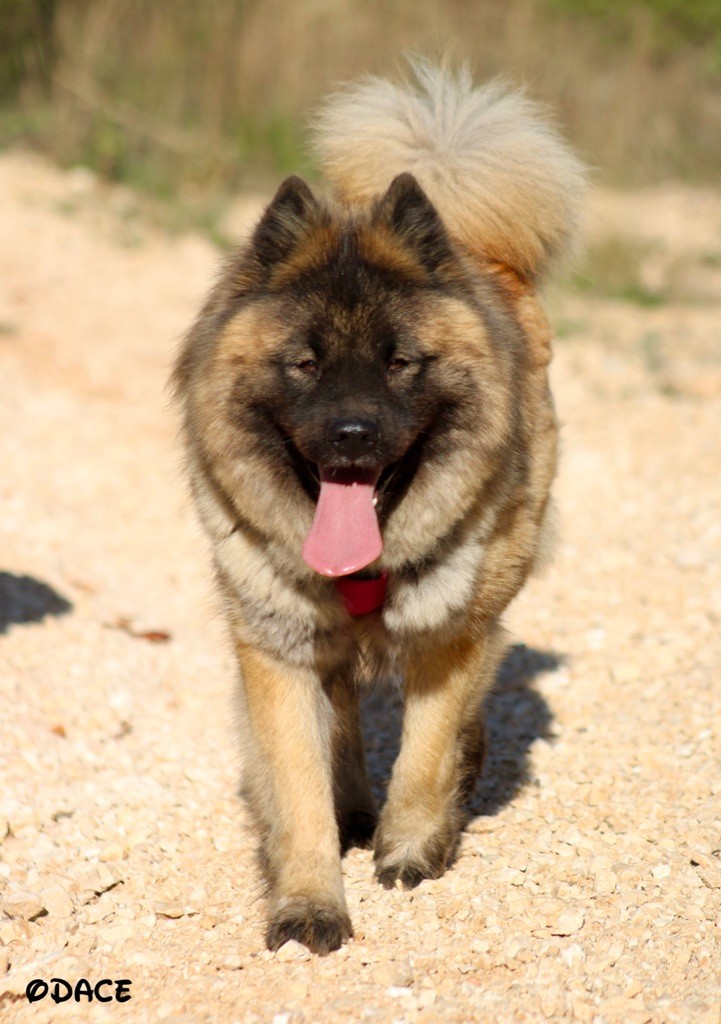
(588, 885)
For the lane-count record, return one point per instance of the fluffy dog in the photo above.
(371, 442)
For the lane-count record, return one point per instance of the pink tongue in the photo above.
(344, 536)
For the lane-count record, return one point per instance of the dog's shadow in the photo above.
(515, 715)
(26, 599)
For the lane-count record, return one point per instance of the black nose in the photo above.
(353, 436)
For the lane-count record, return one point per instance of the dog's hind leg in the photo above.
(288, 725)
(355, 806)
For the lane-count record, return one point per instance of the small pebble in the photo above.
(111, 852)
(168, 908)
(23, 904)
(292, 950)
(426, 998)
(232, 962)
(568, 922)
(57, 901)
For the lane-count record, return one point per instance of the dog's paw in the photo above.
(322, 928)
(410, 875)
(357, 829)
(411, 864)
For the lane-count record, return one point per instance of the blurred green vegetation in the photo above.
(26, 43)
(613, 270)
(672, 25)
(199, 98)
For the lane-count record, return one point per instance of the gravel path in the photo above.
(588, 885)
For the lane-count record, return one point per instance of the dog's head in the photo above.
(357, 363)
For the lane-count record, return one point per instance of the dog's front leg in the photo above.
(288, 724)
(441, 745)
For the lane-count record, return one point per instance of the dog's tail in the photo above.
(493, 164)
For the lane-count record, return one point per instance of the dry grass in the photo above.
(212, 95)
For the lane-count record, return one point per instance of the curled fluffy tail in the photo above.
(505, 183)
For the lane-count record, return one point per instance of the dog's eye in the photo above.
(309, 366)
(397, 364)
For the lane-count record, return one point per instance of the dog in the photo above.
(370, 440)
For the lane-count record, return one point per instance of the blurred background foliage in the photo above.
(189, 97)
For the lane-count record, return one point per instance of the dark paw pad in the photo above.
(321, 929)
(357, 829)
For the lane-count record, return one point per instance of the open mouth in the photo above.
(394, 480)
(398, 476)
(345, 535)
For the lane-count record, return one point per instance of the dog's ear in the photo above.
(409, 213)
(285, 222)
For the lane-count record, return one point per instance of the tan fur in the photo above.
(378, 246)
(469, 528)
(444, 689)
